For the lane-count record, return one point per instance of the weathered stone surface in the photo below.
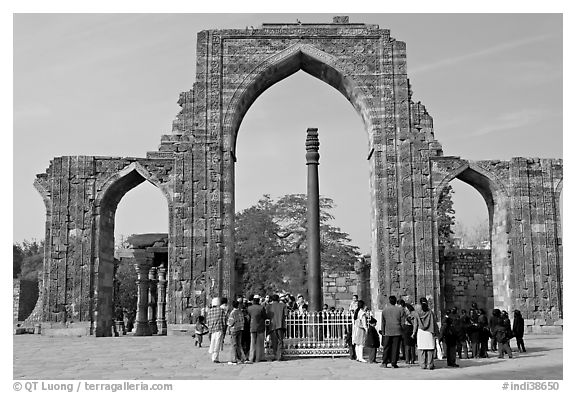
(194, 169)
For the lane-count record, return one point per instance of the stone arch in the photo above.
(272, 70)
(112, 191)
(496, 196)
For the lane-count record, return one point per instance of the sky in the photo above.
(107, 84)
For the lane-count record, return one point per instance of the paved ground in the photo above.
(176, 358)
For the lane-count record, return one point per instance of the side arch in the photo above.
(112, 191)
(496, 196)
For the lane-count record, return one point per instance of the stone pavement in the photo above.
(176, 358)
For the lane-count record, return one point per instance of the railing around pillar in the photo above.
(318, 333)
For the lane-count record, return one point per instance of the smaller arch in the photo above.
(485, 182)
(113, 190)
(119, 183)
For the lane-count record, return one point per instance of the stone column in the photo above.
(161, 310)
(142, 328)
(152, 296)
(313, 230)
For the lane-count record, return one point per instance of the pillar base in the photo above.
(142, 329)
(153, 327)
(162, 328)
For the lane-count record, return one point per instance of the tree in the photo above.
(445, 217)
(18, 256)
(271, 242)
(28, 259)
(127, 290)
(475, 235)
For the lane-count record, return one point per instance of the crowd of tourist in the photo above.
(407, 332)
(246, 322)
(406, 328)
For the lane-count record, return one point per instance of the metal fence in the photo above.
(317, 333)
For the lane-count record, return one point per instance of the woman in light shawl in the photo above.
(425, 330)
(359, 331)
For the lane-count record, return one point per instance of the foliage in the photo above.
(127, 290)
(28, 259)
(271, 243)
(476, 235)
(446, 217)
(18, 256)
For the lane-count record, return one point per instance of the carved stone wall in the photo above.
(194, 168)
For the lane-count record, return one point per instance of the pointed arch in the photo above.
(272, 70)
(112, 191)
(119, 183)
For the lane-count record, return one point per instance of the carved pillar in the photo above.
(313, 235)
(161, 310)
(152, 296)
(142, 328)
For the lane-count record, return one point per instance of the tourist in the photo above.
(224, 306)
(496, 314)
(372, 341)
(199, 331)
(484, 333)
(392, 317)
(354, 304)
(408, 341)
(216, 321)
(359, 331)
(258, 317)
(461, 327)
(449, 338)
(474, 334)
(425, 331)
(236, 326)
(503, 333)
(348, 341)
(276, 312)
(246, 332)
(518, 330)
(292, 306)
(300, 303)
(401, 303)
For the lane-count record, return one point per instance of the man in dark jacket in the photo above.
(518, 330)
(258, 317)
(449, 338)
(277, 311)
(392, 317)
(493, 321)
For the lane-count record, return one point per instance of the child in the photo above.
(372, 341)
(348, 342)
(200, 330)
(409, 341)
